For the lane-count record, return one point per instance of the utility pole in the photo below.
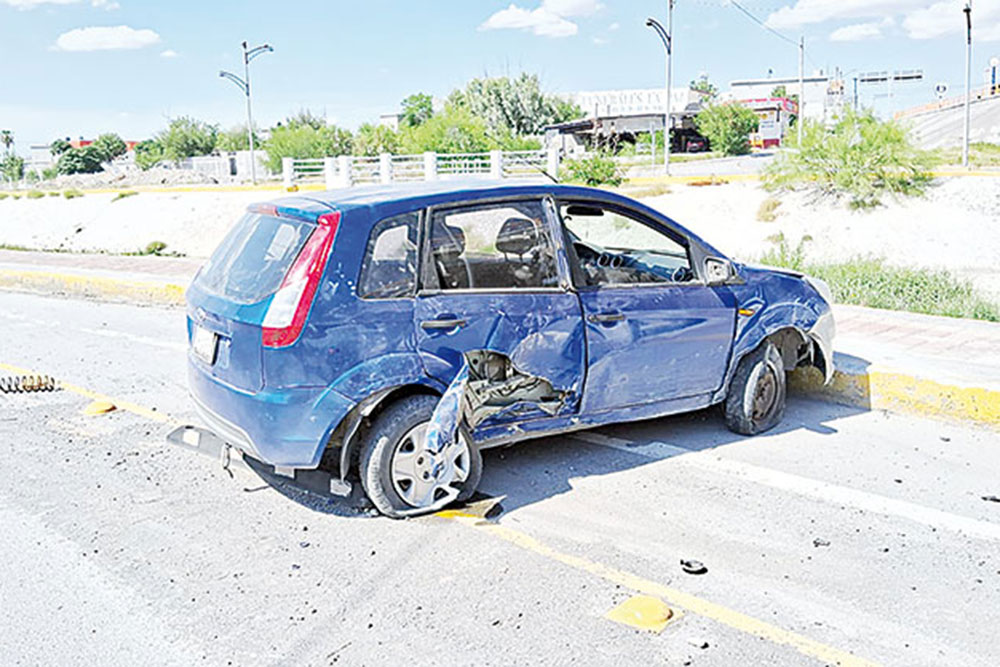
(244, 85)
(968, 81)
(802, 86)
(667, 39)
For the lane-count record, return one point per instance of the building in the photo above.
(776, 115)
(823, 96)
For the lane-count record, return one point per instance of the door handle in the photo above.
(443, 324)
(602, 318)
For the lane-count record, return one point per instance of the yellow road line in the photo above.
(691, 603)
(686, 601)
(127, 406)
(94, 286)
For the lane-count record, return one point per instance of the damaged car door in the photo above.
(496, 317)
(656, 332)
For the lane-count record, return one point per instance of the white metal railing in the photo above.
(348, 170)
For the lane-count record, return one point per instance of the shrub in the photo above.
(55, 193)
(124, 194)
(3, 195)
(593, 170)
(154, 248)
(860, 157)
(148, 154)
(111, 146)
(727, 127)
(72, 194)
(35, 194)
(237, 139)
(50, 173)
(371, 140)
(768, 210)
(12, 167)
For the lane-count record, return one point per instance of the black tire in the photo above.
(756, 399)
(380, 444)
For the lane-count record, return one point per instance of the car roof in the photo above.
(431, 192)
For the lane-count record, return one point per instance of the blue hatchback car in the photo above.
(392, 333)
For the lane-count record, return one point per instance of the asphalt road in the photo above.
(843, 536)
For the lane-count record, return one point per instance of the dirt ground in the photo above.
(955, 226)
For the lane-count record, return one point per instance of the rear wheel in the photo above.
(756, 399)
(400, 476)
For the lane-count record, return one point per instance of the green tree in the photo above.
(86, 160)
(186, 137)
(727, 127)
(7, 139)
(111, 146)
(371, 140)
(12, 167)
(782, 91)
(705, 88)
(59, 146)
(236, 139)
(148, 153)
(516, 105)
(417, 110)
(305, 141)
(306, 118)
(455, 130)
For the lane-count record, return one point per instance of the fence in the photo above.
(347, 170)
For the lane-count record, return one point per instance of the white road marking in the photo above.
(107, 333)
(803, 486)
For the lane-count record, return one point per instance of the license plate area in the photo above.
(204, 344)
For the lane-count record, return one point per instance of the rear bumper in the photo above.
(286, 428)
(822, 334)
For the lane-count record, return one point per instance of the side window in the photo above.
(493, 246)
(614, 248)
(389, 269)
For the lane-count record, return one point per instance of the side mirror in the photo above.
(718, 271)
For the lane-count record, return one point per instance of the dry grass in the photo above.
(768, 211)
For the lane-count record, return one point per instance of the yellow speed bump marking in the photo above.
(126, 406)
(677, 598)
(99, 408)
(643, 612)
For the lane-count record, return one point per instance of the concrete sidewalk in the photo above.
(937, 366)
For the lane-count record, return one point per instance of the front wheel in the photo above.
(400, 476)
(756, 399)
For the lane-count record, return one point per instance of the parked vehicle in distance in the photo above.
(394, 332)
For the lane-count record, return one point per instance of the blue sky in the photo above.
(352, 60)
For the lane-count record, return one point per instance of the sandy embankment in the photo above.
(956, 226)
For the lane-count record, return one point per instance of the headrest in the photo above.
(517, 236)
(447, 241)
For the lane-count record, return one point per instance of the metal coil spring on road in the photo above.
(23, 384)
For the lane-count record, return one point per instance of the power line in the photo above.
(761, 23)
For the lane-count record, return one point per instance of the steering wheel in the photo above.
(681, 274)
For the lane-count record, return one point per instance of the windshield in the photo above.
(252, 261)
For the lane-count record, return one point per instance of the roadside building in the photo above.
(823, 95)
(776, 115)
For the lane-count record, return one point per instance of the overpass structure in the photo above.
(942, 124)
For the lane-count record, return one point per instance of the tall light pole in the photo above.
(667, 38)
(968, 81)
(802, 87)
(244, 85)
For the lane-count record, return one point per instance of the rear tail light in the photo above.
(290, 306)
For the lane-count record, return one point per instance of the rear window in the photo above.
(252, 261)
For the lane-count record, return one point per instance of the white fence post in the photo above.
(346, 177)
(496, 165)
(385, 168)
(430, 166)
(330, 172)
(287, 172)
(553, 161)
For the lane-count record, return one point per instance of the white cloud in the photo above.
(615, 26)
(169, 53)
(32, 4)
(805, 12)
(857, 32)
(106, 38)
(945, 18)
(548, 20)
(600, 41)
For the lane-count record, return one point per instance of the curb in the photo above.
(878, 388)
(870, 387)
(144, 292)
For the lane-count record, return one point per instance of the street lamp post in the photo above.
(968, 81)
(666, 36)
(244, 85)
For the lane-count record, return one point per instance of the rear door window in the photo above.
(493, 246)
(389, 270)
(253, 259)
